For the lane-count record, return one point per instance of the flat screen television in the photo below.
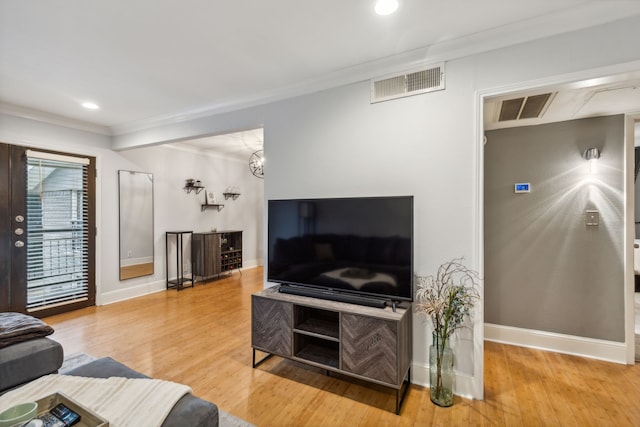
(358, 247)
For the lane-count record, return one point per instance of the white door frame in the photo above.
(599, 76)
(629, 296)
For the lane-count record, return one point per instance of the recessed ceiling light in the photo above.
(386, 7)
(90, 105)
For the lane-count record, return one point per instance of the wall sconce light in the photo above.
(592, 155)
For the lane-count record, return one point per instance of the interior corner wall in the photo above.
(175, 209)
(545, 268)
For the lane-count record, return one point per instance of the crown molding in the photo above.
(565, 21)
(54, 119)
(568, 20)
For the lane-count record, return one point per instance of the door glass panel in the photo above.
(57, 232)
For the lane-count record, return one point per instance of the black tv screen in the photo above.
(358, 245)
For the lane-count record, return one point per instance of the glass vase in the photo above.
(441, 371)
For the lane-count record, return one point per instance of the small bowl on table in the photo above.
(19, 414)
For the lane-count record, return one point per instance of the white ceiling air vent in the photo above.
(528, 107)
(407, 84)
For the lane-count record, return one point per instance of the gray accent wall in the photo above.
(545, 269)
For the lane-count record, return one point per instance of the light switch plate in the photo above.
(592, 218)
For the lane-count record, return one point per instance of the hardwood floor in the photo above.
(201, 337)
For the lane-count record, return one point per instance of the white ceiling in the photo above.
(239, 145)
(145, 61)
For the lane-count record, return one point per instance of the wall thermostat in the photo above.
(522, 187)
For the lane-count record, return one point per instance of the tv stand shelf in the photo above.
(372, 344)
(319, 354)
(318, 323)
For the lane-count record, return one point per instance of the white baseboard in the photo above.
(133, 292)
(609, 351)
(147, 288)
(250, 263)
(463, 385)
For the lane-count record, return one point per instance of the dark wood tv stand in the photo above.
(371, 344)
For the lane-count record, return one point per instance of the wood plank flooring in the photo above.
(201, 336)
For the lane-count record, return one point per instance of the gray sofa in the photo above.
(28, 360)
(188, 411)
(25, 352)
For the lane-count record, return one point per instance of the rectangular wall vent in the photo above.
(407, 84)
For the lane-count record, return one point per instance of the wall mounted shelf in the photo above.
(206, 206)
(190, 188)
(231, 195)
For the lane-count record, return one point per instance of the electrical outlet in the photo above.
(129, 254)
(185, 266)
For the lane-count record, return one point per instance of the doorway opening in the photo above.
(572, 111)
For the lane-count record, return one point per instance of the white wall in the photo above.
(173, 208)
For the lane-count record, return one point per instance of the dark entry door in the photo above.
(5, 229)
(47, 225)
(12, 211)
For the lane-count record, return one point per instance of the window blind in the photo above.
(57, 231)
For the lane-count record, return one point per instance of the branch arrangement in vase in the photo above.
(446, 298)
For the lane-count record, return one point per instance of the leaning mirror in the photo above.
(136, 223)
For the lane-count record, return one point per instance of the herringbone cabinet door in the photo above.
(369, 347)
(271, 325)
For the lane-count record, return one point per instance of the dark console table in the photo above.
(371, 344)
(180, 279)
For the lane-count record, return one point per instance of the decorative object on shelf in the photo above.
(256, 164)
(446, 299)
(192, 185)
(210, 202)
(231, 193)
(209, 198)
